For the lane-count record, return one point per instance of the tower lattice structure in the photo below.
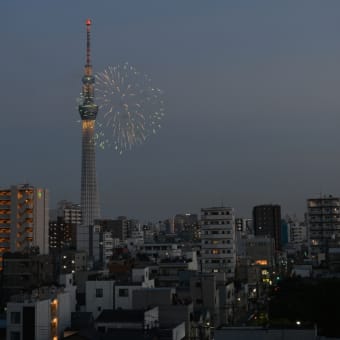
(89, 192)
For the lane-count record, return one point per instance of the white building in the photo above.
(107, 294)
(100, 295)
(70, 212)
(134, 242)
(23, 219)
(124, 290)
(108, 244)
(42, 316)
(161, 250)
(218, 240)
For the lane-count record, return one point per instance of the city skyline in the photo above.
(251, 94)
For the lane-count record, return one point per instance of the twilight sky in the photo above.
(251, 91)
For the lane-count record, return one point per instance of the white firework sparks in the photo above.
(131, 108)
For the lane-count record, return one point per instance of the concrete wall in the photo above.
(153, 296)
(125, 302)
(94, 304)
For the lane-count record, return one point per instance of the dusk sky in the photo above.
(251, 93)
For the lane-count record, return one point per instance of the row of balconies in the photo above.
(217, 227)
(5, 198)
(218, 220)
(325, 228)
(324, 234)
(225, 267)
(335, 217)
(217, 256)
(218, 246)
(334, 202)
(213, 236)
(220, 263)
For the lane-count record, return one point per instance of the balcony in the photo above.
(217, 246)
(217, 227)
(217, 218)
(214, 236)
(215, 256)
(4, 198)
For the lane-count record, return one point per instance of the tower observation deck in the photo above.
(89, 192)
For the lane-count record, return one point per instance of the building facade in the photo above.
(267, 222)
(63, 226)
(218, 252)
(23, 219)
(323, 220)
(42, 316)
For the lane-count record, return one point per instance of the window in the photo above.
(101, 329)
(198, 284)
(15, 336)
(99, 292)
(15, 317)
(123, 292)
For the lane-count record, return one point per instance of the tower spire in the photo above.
(88, 41)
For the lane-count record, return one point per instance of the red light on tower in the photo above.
(88, 22)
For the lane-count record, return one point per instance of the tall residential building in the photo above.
(89, 191)
(185, 222)
(267, 222)
(69, 211)
(63, 226)
(23, 219)
(121, 228)
(218, 240)
(297, 232)
(323, 219)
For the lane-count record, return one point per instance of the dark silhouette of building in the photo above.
(267, 222)
(24, 272)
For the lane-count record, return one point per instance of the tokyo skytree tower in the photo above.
(89, 191)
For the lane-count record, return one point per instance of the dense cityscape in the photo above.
(66, 272)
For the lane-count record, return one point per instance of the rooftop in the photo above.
(121, 315)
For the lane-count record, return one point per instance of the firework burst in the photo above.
(131, 108)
